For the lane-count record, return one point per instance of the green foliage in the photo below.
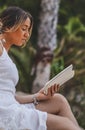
(71, 8)
(2, 8)
(71, 48)
(74, 28)
(57, 66)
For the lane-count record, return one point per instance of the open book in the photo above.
(60, 78)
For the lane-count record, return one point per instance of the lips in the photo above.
(24, 40)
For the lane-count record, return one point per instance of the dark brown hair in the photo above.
(12, 17)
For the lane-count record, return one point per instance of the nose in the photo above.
(26, 34)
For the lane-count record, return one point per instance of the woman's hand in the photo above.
(51, 91)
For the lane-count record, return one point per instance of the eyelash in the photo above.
(24, 29)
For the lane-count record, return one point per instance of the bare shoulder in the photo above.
(1, 49)
(1, 46)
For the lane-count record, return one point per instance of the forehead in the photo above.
(27, 23)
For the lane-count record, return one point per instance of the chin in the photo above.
(20, 44)
(23, 44)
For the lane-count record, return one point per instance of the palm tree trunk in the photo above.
(46, 42)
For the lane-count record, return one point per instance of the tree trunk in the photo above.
(46, 42)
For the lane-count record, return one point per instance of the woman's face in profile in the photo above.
(20, 36)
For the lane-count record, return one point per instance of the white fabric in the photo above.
(15, 116)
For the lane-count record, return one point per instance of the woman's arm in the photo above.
(24, 98)
(40, 96)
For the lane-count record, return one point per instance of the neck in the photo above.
(7, 43)
(7, 46)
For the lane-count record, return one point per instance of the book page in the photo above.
(61, 78)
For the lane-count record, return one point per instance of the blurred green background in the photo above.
(70, 49)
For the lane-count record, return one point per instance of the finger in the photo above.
(53, 89)
(57, 87)
(45, 92)
(50, 91)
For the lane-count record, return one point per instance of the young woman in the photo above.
(24, 112)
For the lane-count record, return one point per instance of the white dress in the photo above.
(13, 115)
